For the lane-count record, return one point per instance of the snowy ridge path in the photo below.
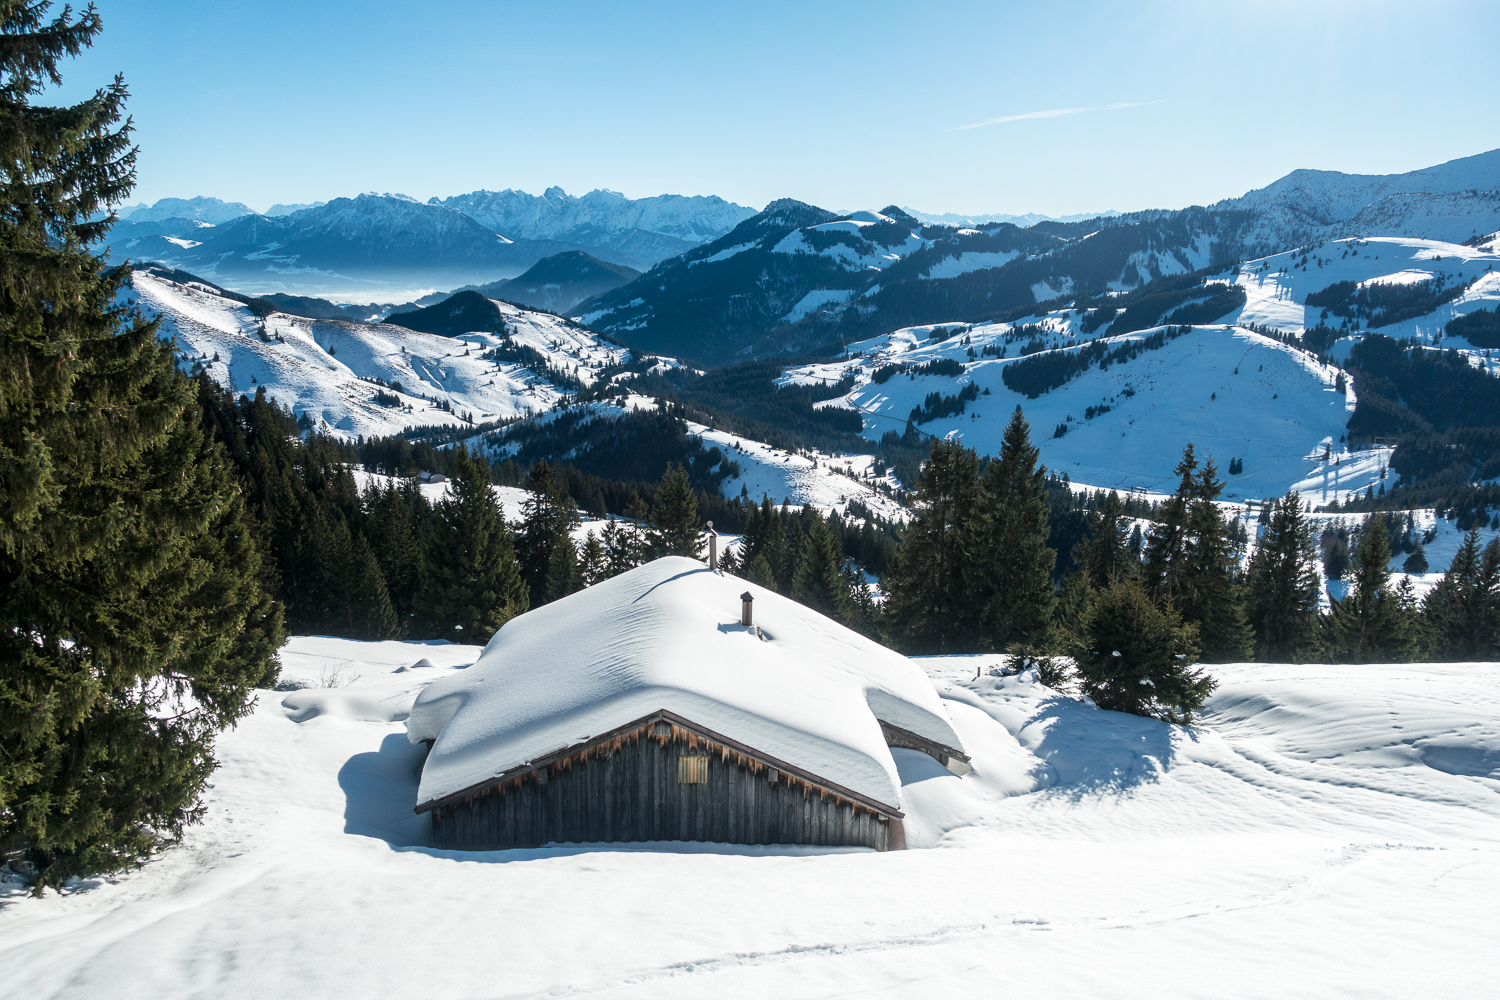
(1344, 820)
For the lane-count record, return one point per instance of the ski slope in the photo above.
(1326, 831)
(322, 368)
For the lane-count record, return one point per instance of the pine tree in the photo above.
(548, 514)
(765, 541)
(564, 575)
(1462, 612)
(1164, 563)
(368, 611)
(593, 563)
(820, 582)
(1104, 554)
(132, 624)
(1206, 593)
(1282, 592)
(394, 517)
(935, 598)
(1135, 654)
(471, 580)
(623, 545)
(759, 573)
(674, 516)
(1371, 625)
(1017, 575)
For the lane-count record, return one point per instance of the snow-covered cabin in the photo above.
(643, 709)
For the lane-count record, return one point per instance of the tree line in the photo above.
(1139, 609)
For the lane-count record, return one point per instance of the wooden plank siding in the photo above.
(624, 787)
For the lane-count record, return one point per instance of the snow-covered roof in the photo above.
(806, 691)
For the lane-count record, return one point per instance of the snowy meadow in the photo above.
(1324, 830)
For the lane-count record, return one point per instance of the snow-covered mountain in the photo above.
(353, 379)
(280, 209)
(1027, 219)
(385, 245)
(765, 289)
(373, 245)
(201, 209)
(1452, 201)
(634, 231)
(721, 300)
(1225, 381)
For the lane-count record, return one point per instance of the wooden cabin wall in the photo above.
(633, 794)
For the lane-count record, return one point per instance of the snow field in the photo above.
(1277, 286)
(1230, 392)
(1327, 830)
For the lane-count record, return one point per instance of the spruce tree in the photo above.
(368, 611)
(623, 546)
(1206, 592)
(1462, 612)
(759, 573)
(564, 575)
(1135, 654)
(547, 515)
(1104, 554)
(1282, 591)
(394, 517)
(1371, 624)
(935, 590)
(1164, 562)
(820, 582)
(1018, 564)
(471, 580)
(593, 563)
(132, 624)
(674, 516)
(765, 542)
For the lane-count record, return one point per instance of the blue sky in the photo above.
(1054, 107)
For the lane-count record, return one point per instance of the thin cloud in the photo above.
(1054, 113)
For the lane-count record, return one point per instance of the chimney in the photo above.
(713, 548)
(746, 601)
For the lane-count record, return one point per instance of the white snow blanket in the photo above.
(797, 686)
(1327, 831)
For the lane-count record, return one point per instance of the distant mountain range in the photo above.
(1028, 219)
(635, 232)
(381, 244)
(721, 281)
(797, 276)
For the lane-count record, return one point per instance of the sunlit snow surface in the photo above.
(322, 368)
(1326, 831)
(1229, 390)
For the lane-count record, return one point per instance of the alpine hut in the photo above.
(651, 707)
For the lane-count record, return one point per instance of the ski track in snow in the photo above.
(1343, 819)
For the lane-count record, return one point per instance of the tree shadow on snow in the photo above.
(1092, 751)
